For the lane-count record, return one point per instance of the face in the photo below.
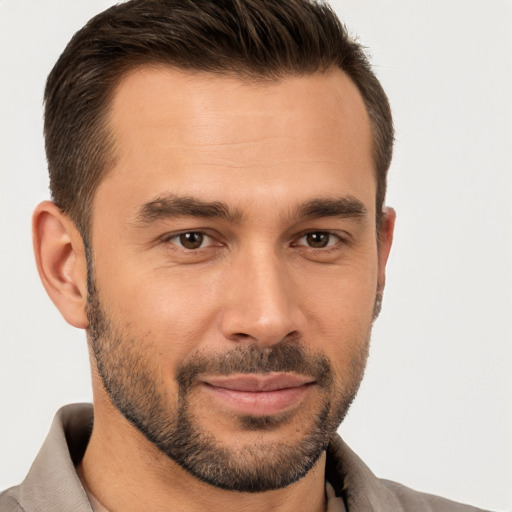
(235, 268)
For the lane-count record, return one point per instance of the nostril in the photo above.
(242, 335)
(292, 335)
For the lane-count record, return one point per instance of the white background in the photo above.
(435, 410)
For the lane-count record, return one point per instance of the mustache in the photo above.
(282, 357)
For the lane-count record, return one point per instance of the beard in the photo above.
(129, 377)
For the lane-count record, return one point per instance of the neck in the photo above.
(124, 471)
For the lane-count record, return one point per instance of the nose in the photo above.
(262, 302)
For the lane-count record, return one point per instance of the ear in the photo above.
(61, 263)
(386, 231)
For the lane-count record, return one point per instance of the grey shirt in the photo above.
(53, 485)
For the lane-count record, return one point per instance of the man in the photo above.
(218, 175)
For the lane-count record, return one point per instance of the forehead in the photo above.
(205, 135)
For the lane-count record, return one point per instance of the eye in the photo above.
(318, 239)
(190, 240)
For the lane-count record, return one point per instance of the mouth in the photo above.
(258, 394)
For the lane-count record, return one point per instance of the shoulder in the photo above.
(362, 491)
(52, 483)
(410, 499)
(9, 502)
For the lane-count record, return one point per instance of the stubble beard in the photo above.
(128, 376)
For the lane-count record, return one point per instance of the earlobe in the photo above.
(61, 263)
(386, 231)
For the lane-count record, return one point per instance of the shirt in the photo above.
(53, 484)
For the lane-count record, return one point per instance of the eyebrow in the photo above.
(343, 207)
(171, 206)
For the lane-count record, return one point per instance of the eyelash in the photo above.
(329, 247)
(166, 239)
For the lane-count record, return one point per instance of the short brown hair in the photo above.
(253, 39)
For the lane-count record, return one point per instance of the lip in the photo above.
(258, 394)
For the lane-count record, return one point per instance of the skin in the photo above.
(264, 150)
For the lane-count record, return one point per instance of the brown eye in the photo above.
(192, 240)
(318, 239)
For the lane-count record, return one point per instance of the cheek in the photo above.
(169, 311)
(339, 312)
(343, 296)
(173, 311)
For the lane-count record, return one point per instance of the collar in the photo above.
(53, 484)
